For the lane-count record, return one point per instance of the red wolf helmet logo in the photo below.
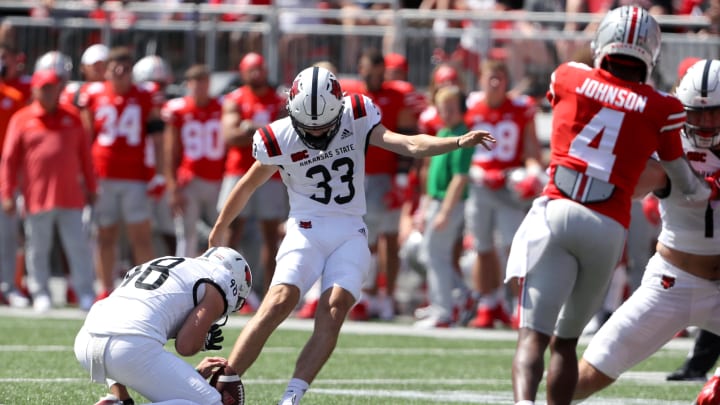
(335, 88)
(295, 89)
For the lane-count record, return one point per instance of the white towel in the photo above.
(533, 230)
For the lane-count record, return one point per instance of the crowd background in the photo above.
(426, 44)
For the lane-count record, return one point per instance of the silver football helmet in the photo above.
(699, 91)
(629, 31)
(152, 69)
(315, 102)
(242, 277)
(57, 61)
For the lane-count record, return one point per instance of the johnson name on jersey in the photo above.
(155, 298)
(692, 228)
(327, 182)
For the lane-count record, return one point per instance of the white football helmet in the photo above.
(315, 102)
(699, 91)
(629, 31)
(152, 69)
(242, 277)
(54, 60)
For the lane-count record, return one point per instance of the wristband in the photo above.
(458, 142)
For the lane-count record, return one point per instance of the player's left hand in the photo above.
(473, 138)
(208, 365)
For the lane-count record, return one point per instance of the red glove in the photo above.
(156, 186)
(528, 187)
(714, 184)
(650, 207)
(494, 179)
(710, 392)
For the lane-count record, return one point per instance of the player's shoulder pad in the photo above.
(267, 140)
(94, 87)
(362, 107)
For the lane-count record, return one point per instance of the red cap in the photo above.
(684, 65)
(445, 74)
(44, 77)
(251, 60)
(396, 61)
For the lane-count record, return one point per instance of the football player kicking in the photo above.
(606, 124)
(181, 298)
(679, 287)
(320, 153)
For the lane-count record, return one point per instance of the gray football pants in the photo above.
(8, 250)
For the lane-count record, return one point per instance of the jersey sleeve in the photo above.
(670, 144)
(365, 116)
(170, 111)
(266, 147)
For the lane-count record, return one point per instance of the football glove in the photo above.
(213, 338)
(494, 179)
(713, 181)
(156, 186)
(651, 209)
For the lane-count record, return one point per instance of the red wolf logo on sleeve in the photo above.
(667, 281)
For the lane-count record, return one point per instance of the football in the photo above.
(228, 384)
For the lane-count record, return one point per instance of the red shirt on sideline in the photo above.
(49, 154)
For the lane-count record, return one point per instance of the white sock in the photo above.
(525, 402)
(295, 387)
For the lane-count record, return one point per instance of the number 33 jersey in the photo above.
(327, 182)
(155, 298)
(606, 128)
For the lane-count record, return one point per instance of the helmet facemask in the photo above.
(703, 135)
(319, 142)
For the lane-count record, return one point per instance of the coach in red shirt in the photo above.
(47, 154)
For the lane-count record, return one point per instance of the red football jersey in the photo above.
(607, 128)
(507, 124)
(430, 122)
(119, 128)
(262, 111)
(22, 84)
(201, 143)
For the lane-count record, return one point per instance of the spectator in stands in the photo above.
(444, 214)
(245, 110)
(195, 151)
(496, 207)
(121, 118)
(11, 100)
(47, 154)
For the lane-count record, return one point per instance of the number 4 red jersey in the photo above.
(119, 125)
(606, 129)
(201, 144)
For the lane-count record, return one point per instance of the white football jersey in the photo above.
(155, 298)
(322, 183)
(689, 228)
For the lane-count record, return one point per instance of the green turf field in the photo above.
(374, 363)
